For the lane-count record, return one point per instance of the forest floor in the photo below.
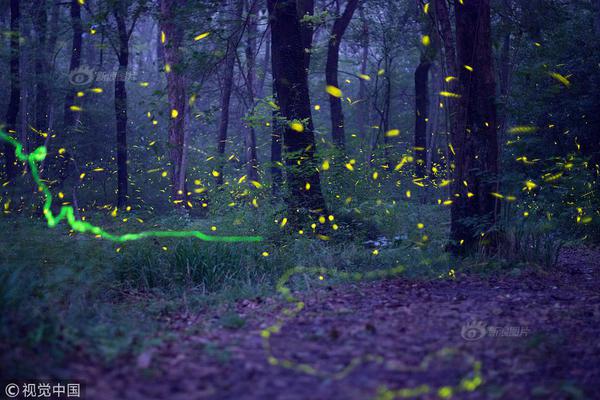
(399, 337)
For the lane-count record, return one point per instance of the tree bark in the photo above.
(230, 57)
(15, 89)
(475, 141)
(363, 117)
(176, 94)
(597, 17)
(442, 16)
(306, 8)
(69, 117)
(250, 134)
(121, 106)
(42, 72)
(276, 153)
(421, 115)
(331, 71)
(291, 86)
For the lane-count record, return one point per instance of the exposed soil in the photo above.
(396, 331)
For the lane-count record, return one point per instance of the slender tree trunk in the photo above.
(69, 115)
(597, 17)
(291, 86)
(331, 71)
(266, 63)
(306, 8)
(121, 107)
(276, 153)
(228, 70)
(504, 75)
(176, 93)
(42, 73)
(475, 142)
(250, 134)
(450, 68)
(15, 89)
(434, 115)
(421, 116)
(363, 117)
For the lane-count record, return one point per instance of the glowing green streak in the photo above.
(66, 212)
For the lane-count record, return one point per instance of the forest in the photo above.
(300, 199)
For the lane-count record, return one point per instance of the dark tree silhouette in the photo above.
(176, 93)
(15, 88)
(228, 70)
(474, 209)
(331, 71)
(421, 111)
(70, 116)
(291, 86)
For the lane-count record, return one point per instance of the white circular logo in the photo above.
(473, 330)
(11, 390)
(81, 76)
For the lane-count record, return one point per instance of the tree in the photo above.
(421, 111)
(250, 134)
(474, 209)
(120, 11)
(70, 114)
(291, 87)
(228, 70)
(15, 88)
(173, 34)
(331, 71)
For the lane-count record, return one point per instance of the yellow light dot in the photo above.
(213, 228)
(265, 254)
(297, 126)
(333, 91)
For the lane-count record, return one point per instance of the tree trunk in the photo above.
(42, 72)
(291, 86)
(504, 75)
(363, 117)
(250, 134)
(69, 115)
(276, 153)
(421, 115)
(597, 17)
(176, 94)
(15, 89)
(331, 71)
(228, 69)
(475, 141)
(305, 8)
(450, 63)
(121, 107)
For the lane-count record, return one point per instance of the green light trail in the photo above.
(66, 213)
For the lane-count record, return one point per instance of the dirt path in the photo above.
(400, 337)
